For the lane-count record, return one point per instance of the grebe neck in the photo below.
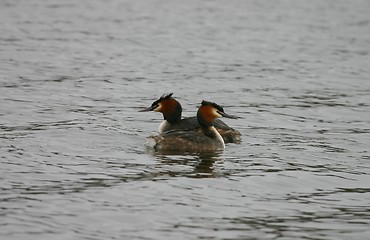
(212, 132)
(173, 114)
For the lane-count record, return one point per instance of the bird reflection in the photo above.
(204, 164)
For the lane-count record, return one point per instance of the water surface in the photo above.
(73, 76)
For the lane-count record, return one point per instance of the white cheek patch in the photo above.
(158, 109)
(216, 113)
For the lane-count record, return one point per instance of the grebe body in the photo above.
(172, 111)
(206, 138)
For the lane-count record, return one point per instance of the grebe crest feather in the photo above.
(168, 106)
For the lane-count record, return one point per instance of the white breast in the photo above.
(218, 136)
(163, 126)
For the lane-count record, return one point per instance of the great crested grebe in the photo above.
(205, 139)
(172, 110)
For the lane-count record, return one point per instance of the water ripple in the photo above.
(72, 154)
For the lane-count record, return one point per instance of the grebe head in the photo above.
(168, 106)
(209, 111)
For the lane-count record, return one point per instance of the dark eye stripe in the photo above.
(155, 106)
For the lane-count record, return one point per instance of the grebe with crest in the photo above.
(172, 110)
(207, 138)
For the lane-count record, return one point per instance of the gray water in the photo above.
(73, 75)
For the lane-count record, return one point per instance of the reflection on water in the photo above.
(198, 164)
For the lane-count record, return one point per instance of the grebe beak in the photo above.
(227, 115)
(151, 108)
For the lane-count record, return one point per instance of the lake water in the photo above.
(73, 75)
